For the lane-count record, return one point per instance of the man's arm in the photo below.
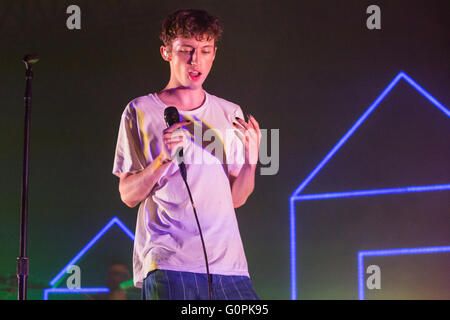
(135, 187)
(243, 184)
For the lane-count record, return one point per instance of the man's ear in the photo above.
(165, 53)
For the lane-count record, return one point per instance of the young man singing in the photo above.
(168, 257)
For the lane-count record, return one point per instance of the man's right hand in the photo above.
(135, 187)
(173, 138)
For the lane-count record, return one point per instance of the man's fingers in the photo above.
(253, 121)
(176, 126)
(246, 135)
(251, 125)
(175, 134)
(249, 133)
(175, 144)
(238, 127)
(173, 140)
(242, 122)
(240, 135)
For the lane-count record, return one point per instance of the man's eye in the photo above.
(206, 51)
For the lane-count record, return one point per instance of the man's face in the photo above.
(190, 61)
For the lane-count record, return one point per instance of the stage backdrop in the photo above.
(308, 68)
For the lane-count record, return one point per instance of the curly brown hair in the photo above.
(190, 23)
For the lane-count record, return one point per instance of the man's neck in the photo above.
(183, 98)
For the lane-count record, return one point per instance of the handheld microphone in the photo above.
(171, 116)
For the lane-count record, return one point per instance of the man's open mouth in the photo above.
(194, 75)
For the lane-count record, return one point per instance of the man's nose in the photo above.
(194, 57)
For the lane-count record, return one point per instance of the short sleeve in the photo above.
(236, 157)
(129, 156)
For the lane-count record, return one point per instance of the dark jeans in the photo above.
(178, 285)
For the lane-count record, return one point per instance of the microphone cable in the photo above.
(201, 238)
(171, 117)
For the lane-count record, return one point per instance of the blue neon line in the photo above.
(360, 276)
(124, 228)
(295, 195)
(366, 114)
(374, 192)
(403, 251)
(74, 290)
(82, 251)
(349, 133)
(86, 248)
(390, 252)
(315, 172)
(430, 98)
(293, 250)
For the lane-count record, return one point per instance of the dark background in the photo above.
(308, 68)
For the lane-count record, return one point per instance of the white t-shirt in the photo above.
(167, 236)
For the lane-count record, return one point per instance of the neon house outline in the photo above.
(54, 282)
(297, 196)
(390, 252)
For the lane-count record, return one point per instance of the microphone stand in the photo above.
(22, 260)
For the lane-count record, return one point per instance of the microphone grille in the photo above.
(171, 116)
